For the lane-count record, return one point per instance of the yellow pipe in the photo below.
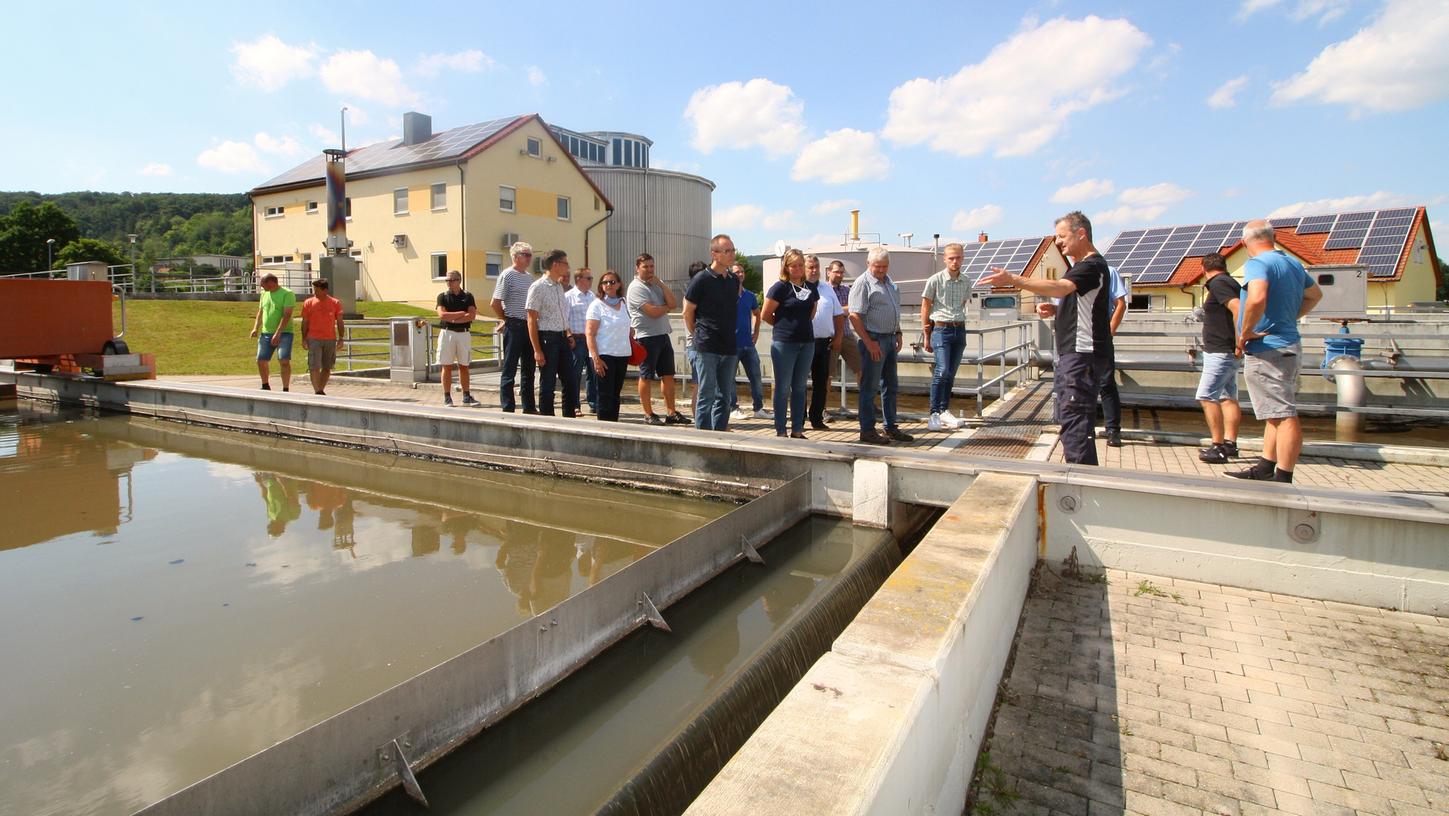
(855, 225)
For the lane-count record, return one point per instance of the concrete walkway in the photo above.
(1151, 696)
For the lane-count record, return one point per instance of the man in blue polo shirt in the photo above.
(1279, 292)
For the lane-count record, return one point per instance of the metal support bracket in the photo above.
(751, 554)
(405, 771)
(649, 612)
(1303, 526)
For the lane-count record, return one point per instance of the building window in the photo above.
(276, 260)
(311, 208)
(400, 201)
(495, 263)
(307, 261)
(273, 212)
(356, 253)
(535, 147)
(440, 265)
(618, 158)
(596, 203)
(507, 198)
(564, 210)
(440, 197)
(638, 154)
(347, 207)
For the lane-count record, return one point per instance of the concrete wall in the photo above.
(891, 719)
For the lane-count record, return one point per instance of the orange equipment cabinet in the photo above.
(49, 318)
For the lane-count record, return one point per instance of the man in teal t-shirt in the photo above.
(273, 330)
(1277, 292)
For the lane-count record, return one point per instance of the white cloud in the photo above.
(536, 77)
(1083, 191)
(784, 219)
(1324, 10)
(978, 219)
(841, 157)
(1373, 201)
(1137, 204)
(835, 204)
(1224, 96)
(268, 63)
(366, 75)
(1396, 63)
(463, 62)
(324, 135)
(739, 115)
(285, 146)
(156, 169)
(1018, 98)
(232, 157)
(740, 216)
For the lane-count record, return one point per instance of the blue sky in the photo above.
(942, 118)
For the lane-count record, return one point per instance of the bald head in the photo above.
(1258, 233)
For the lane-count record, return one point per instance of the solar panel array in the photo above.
(446, 145)
(1012, 255)
(1152, 255)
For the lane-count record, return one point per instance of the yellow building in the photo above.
(1396, 245)
(430, 203)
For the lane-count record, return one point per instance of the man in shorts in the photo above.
(649, 304)
(1217, 390)
(273, 330)
(1280, 292)
(456, 312)
(323, 330)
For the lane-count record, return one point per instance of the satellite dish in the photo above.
(781, 247)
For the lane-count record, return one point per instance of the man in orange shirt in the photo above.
(322, 329)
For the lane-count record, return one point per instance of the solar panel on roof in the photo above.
(1284, 223)
(448, 144)
(1316, 224)
(1384, 242)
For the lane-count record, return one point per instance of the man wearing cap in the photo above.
(510, 298)
(273, 329)
(457, 311)
(323, 330)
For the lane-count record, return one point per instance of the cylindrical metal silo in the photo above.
(662, 212)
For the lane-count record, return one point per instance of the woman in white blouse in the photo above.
(606, 326)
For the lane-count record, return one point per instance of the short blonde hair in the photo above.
(877, 253)
(520, 248)
(791, 256)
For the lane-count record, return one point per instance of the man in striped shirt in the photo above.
(577, 301)
(510, 298)
(943, 321)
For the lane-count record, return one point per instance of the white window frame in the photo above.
(311, 208)
(274, 212)
(534, 148)
(433, 265)
(404, 210)
(568, 204)
(494, 260)
(514, 202)
(436, 193)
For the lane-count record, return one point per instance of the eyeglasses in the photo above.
(524, 255)
(610, 282)
(724, 251)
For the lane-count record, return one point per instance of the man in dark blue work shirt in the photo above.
(709, 316)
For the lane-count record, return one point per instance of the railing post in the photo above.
(980, 372)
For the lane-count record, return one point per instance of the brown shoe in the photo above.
(899, 435)
(797, 435)
(873, 438)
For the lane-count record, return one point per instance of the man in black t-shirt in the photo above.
(710, 306)
(1217, 390)
(456, 311)
(1083, 330)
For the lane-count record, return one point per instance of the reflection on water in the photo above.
(176, 599)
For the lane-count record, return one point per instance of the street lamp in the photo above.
(49, 254)
(131, 236)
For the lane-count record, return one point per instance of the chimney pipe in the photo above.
(855, 225)
(336, 243)
(981, 239)
(417, 128)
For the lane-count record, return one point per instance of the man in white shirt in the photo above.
(829, 328)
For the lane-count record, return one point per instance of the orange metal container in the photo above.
(46, 318)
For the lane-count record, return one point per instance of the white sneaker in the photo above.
(934, 423)
(739, 414)
(764, 413)
(949, 421)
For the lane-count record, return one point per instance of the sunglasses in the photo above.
(610, 282)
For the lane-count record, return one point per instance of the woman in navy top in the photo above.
(789, 308)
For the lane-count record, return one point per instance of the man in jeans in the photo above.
(1279, 293)
(875, 312)
(578, 299)
(828, 325)
(549, 335)
(747, 333)
(710, 306)
(510, 298)
(943, 323)
(1217, 389)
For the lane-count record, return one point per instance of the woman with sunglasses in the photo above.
(607, 329)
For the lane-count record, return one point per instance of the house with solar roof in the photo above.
(1394, 245)
(1031, 257)
(434, 202)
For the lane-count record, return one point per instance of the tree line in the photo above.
(91, 226)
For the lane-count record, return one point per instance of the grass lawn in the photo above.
(211, 337)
